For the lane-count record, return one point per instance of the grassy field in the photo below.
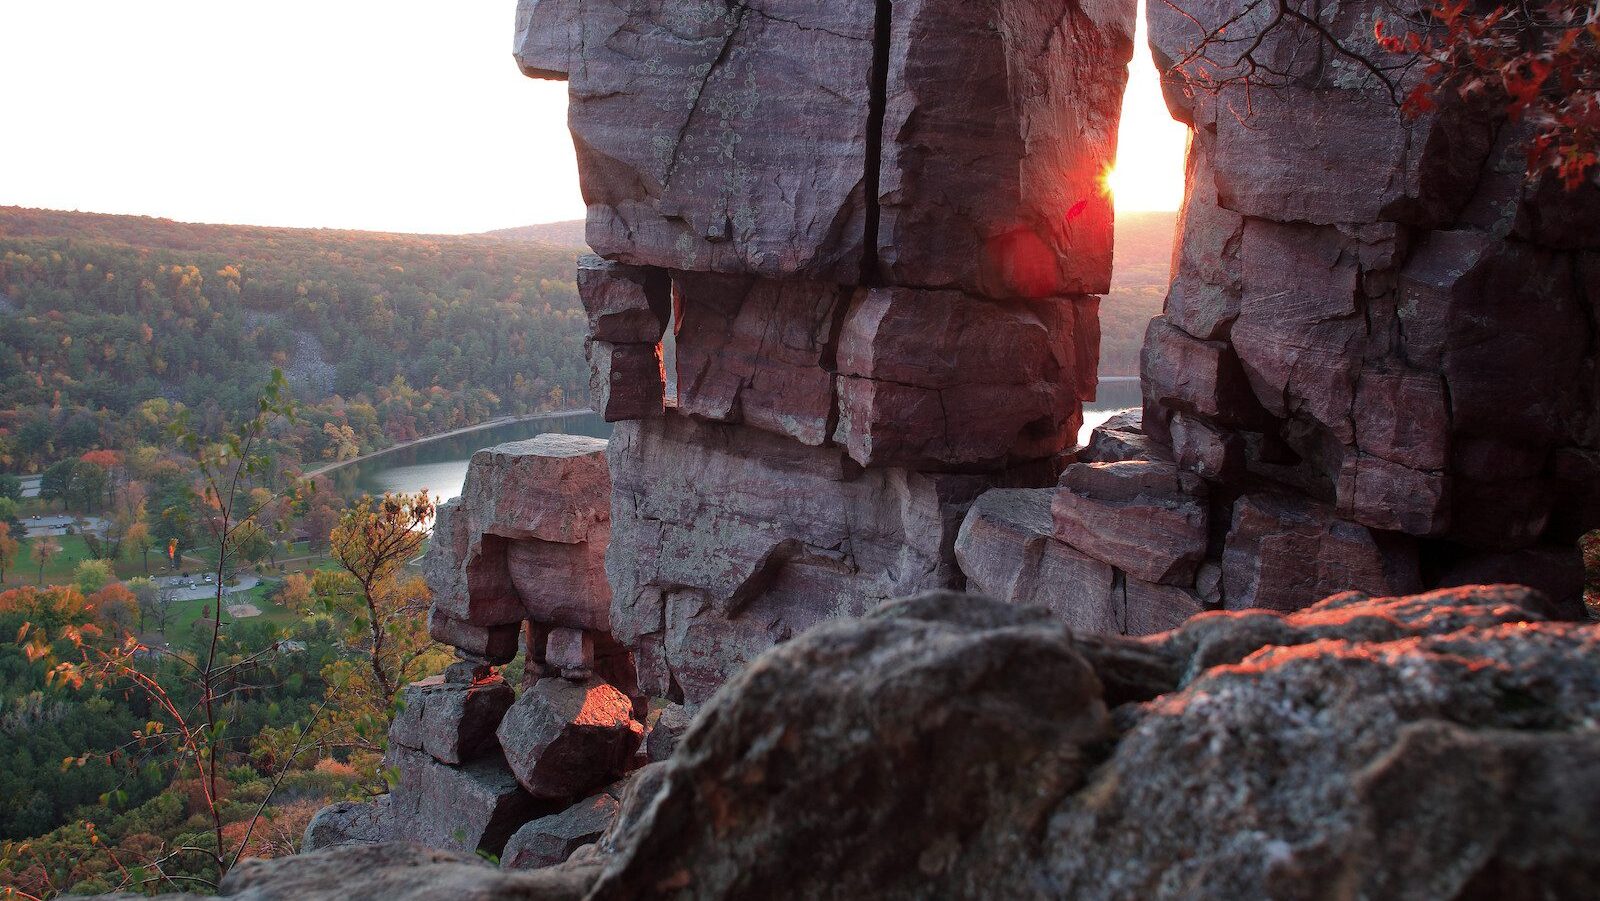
(184, 615)
(60, 569)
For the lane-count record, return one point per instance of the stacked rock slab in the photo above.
(1377, 363)
(519, 554)
(879, 230)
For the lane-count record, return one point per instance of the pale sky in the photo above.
(391, 115)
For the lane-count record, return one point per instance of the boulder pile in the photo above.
(519, 554)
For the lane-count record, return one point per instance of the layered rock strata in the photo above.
(1370, 344)
(875, 234)
(519, 555)
(876, 231)
(1376, 367)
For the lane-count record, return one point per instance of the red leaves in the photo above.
(1524, 80)
(1538, 63)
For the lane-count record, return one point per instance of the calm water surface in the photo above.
(441, 466)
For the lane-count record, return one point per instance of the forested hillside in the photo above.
(108, 324)
(1138, 287)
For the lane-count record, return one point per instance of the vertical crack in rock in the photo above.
(877, 105)
(728, 42)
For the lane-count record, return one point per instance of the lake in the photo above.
(441, 466)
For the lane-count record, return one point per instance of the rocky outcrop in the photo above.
(520, 555)
(350, 823)
(551, 840)
(1364, 323)
(453, 722)
(875, 233)
(474, 807)
(1430, 746)
(564, 739)
(883, 237)
(1237, 781)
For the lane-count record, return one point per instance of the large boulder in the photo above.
(474, 807)
(905, 754)
(550, 840)
(1148, 519)
(1458, 765)
(526, 539)
(452, 722)
(350, 823)
(941, 747)
(547, 488)
(564, 739)
(1008, 550)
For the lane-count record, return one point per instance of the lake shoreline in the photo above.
(440, 436)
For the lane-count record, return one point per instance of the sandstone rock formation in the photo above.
(520, 553)
(550, 840)
(883, 230)
(1364, 323)
(875, 235)
(565, 739)
(1431, 746)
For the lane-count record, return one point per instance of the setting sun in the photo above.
(1148, 174)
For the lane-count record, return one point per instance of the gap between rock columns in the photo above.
(877, 105)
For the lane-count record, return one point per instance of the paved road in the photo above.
(57, 524)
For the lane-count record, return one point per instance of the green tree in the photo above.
(373, 541)
(8, 514)
(91, 576)
(56, 482)
(10, 487)
(9, 550)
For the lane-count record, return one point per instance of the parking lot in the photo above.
(193, 588)
(57, 525)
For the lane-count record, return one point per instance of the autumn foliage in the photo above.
(1540, 62)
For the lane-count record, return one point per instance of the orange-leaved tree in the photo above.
(189, 726)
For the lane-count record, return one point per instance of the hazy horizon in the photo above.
(364, 116)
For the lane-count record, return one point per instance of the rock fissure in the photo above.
(877, 109)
